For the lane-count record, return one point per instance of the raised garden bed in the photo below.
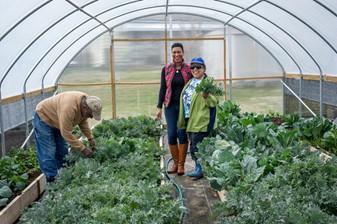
(13, 210)
(119, 184)
(269, 171)
(323, 155)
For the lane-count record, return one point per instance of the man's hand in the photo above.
(159, 113)
(87, 152)
(92, 143)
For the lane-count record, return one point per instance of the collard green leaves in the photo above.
(269, 172)
(15, 169)
(207, 85)
(118, 185)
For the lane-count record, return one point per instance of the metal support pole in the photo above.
(242, 11)
(300, 95)
(321, 95)
(169, 34)
(26, 140)
(26, 113)
(284, 97)
(3, 145)
(225, 61)
(166, 43)
(88, 14)
(285, 85)
(112, 77)
(229, 48)
(165, 34)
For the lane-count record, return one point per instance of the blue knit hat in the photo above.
(198, 60)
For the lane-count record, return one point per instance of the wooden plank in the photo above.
(42, 183)
(254, 78)
(311, 77)
(150, 82)
(293, 76)
(166, 38)
(221, 195)
(314, 77)
(156, 82)
(162, 181)
(16, 98)
(29, 195)
(312, 149)
(13, 210)
(85, 84)
(162, 160)
(324, 155)
(331, 78)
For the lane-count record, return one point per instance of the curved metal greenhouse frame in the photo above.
(38, 38)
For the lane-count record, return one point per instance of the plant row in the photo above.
(120, 184)
(265, 164)
(317, 131)
(16, 170)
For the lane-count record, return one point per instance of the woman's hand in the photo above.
(159, 113)
(205, 95)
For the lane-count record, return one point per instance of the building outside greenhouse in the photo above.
(271, 157)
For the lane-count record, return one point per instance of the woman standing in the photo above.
(174, 76)
(197, 112)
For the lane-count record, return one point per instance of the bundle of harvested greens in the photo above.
(207, 85)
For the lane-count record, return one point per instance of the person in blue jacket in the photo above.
(197, 112)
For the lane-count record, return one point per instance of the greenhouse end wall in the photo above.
(14, 119)
(311, 96)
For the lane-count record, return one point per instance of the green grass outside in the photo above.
(265, 99)
(135, 100)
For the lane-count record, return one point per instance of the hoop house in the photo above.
(286, 46)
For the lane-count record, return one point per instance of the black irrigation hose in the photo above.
(178, 189)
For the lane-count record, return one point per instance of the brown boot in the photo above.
(182, 158)
(175, 155)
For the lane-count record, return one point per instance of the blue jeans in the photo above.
(195, 138)
(51, 147)
(173, 133)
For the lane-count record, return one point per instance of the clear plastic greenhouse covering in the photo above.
(38, 38)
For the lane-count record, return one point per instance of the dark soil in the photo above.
(277, 120)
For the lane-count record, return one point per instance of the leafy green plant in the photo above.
(119, 184)
(15, 170)
(5, 194)
(313, 129)
(329, 141)
(268, 170)
(135, 127)
(290, 120)
(207, 85)
(230, 108)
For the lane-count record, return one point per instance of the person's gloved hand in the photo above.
(92, 143)
(87, 152)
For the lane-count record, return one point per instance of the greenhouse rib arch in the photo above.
(81, 35)
(275, 58)
(171, 13)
